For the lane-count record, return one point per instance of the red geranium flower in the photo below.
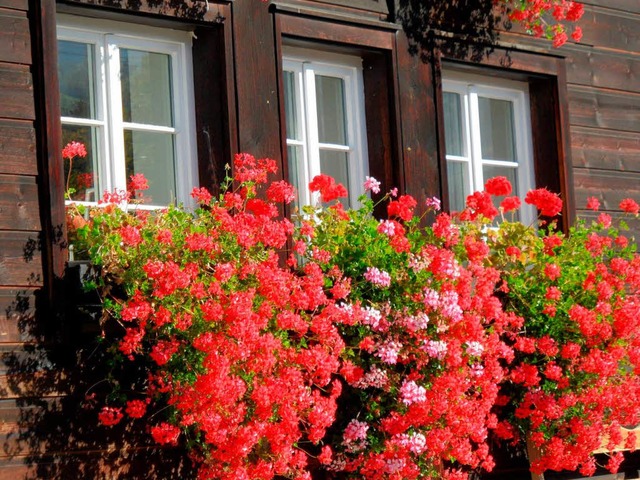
(498, 186)
(328, 188)
(74, 149)
(593, 204)
(630, 206)
(510, 203)
(547, 202)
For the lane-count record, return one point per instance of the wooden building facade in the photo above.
(405, 91)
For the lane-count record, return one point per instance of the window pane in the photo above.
(332, 123)
(497, 129)
(490, 171)
(291, 107)
(75, 72)
(459, 184)
(83, 180)
(152, 154)
(335, 164)
(146, 87)
(454, 142)
(295, 159)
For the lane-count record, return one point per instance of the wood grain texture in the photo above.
(194, 10)
(379, 6)
(623, 5)
(22, 5)
(15, 42)
(590, 67)
(16, 92)
(611, 29)
(20, 259)
(19, 203)
(609, 186)
(614, 110)
(605, 149)
(420, 153)
(17, 315)
(17, 148)
(380, 119)
(316, 29)
(49, 141)
(256, 80)
(210, 89)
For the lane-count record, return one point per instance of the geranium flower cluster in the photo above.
(547, 18)
(574, 380)
(241, 348)
(375, 349)
(424, 351)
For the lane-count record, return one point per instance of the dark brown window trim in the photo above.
(546, 76)
(199, 11)
(377, 48)
(379, 6)
(331, 13)
(49, 131)
(213, 67)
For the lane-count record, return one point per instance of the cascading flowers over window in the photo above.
(370, 348)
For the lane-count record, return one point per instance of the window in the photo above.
(487, 133)
(126, 92)
(325, 125)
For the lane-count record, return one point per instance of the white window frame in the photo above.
(470, 87)
(305, 64)
(107, 38)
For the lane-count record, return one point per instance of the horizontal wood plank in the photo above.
(605, 149)
(44, 383)
(19, 203)
(131, 464)
(624, 5)
(379, 6)
(20, 259)
(17, 316)
(346, 34)
(615, 30)
(15, 42)
(185, 9)
(17, 148)
(592, 107)
(587, 66)
(15, 4)
(16, 92)
(610, 187)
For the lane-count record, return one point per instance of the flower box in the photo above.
(622, 446)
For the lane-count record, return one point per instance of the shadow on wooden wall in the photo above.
(460, 29)
(52, 363)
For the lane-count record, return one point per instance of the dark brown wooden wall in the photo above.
(603, 95)
(20, 263)
(44, 431)
(21, 268)
(603, 75)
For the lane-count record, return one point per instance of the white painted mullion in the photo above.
(501, 163)
(86, 122)
(477, 180)
(311, 121)
(104, 149)
(456, 158)
(358, 163)
(116, 123)
(183, 123)
(142, 127)
(335, 147)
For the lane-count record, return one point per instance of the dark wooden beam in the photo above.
(48, 137)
